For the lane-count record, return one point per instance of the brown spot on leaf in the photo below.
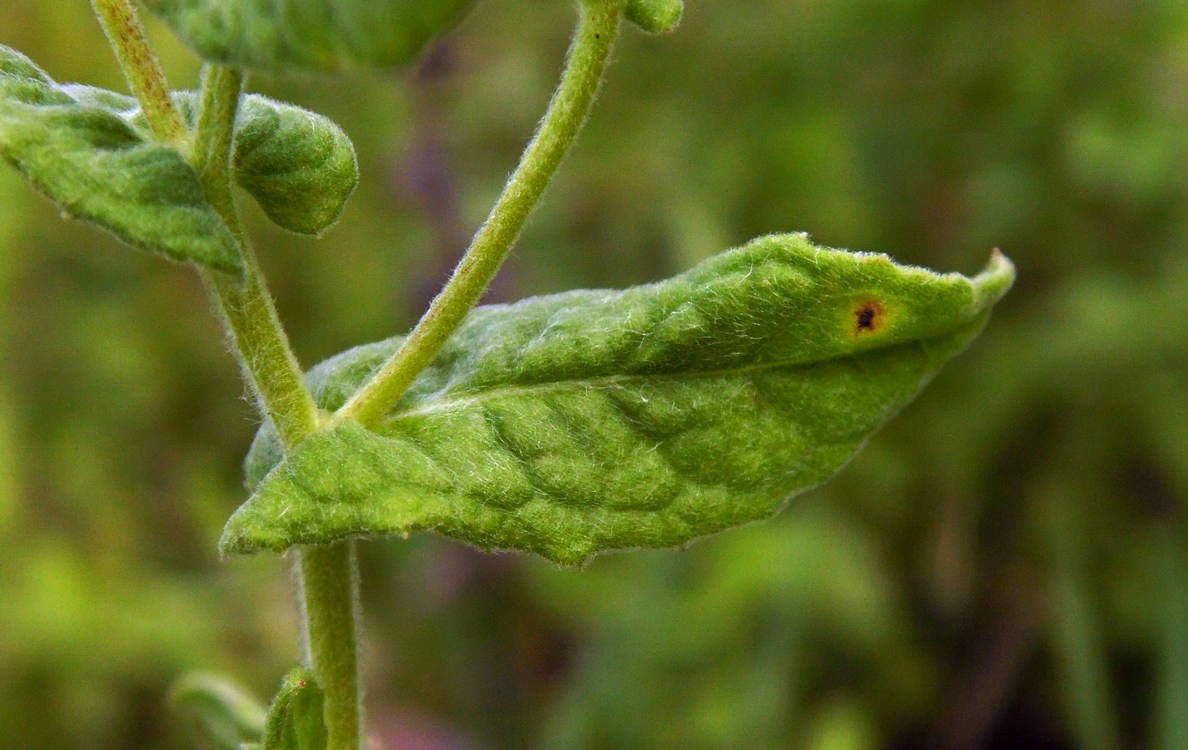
(868, 317)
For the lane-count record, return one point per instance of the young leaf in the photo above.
(287, 35)
(78, 146)
(298, 165)
(295, 719)
(218, 715)
(590, 421)
(655, 16)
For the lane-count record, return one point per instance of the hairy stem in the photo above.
(327, 575)
(215, 137)
(587, 59)
(141, 69)
(248, 312)
(329, 588)
(264, 353)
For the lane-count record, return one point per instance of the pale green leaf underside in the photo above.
(79, 147)
(591, 421)
(287, 35)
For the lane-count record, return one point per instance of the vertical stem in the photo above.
(587, 59)
(1171, 694)
(248, 312)
(141, 69)
(329, 586)
(215, 137)
(328, 576)
(1077, 633)
(263, 351)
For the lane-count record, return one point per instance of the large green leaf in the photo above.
(287, 35)
(589, 421)
(79, 146)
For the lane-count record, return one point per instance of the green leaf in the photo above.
(590, 421)
(287, 35)
(295, 720)
(218, 714)
(91, 151)
(80, 147)
(298, 165)
(655, 16)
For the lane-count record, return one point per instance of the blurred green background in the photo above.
(1004, 566)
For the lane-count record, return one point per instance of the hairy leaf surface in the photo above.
(289, 35)
(91, 152)
(298, 165)
(655, 16)
(589, 421)
(295, 719)
(78, 146)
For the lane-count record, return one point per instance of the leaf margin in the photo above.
(983, 290)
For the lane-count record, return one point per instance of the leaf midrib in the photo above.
(456, 401)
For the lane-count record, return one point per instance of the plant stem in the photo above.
(587, 59)
(1171, 695)
(248, 312)
(327, 577)
(329, 588)
(214, 139)
(247, 308)
(327, 573)
(141, 69)
(263, 351)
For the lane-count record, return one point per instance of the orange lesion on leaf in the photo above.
(868, 317)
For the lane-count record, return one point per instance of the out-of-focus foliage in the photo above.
(1004, 566)
(304, 35)
(217, 713)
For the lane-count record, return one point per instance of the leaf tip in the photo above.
(995, 280)
(300, 167)
(236, 540)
